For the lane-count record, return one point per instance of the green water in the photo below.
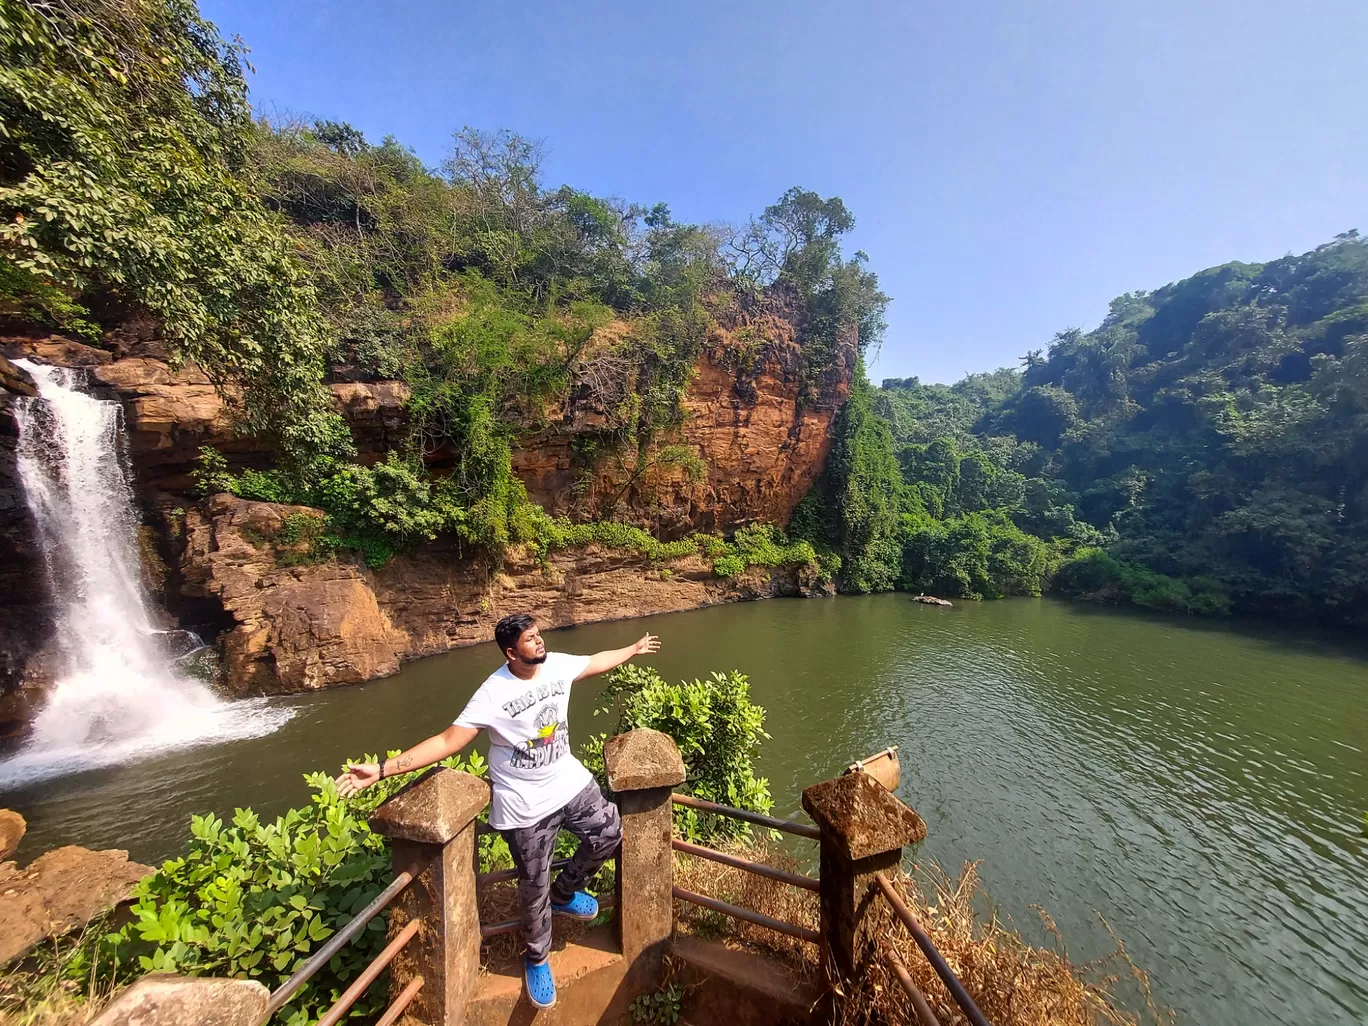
(1200, 787)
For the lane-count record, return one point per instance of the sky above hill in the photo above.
(1011, 166)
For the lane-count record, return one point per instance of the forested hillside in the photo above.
(1205, 448)
(137, 188)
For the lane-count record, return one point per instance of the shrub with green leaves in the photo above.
(253, 899)
(125, 142)
(379, 510)
(1095, 575)
(717, 728)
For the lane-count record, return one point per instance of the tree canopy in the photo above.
(1205, 447)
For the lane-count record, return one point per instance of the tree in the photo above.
(124, 169)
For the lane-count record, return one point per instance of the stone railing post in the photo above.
(164, 999)
(864, 827)
(644, 766)
(431, 826)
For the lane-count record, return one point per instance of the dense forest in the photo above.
(136, 185)
(1202, 450)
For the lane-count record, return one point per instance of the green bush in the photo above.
(1094, 575)
(729, 566)
(254, 900)
(126, 134)
(717, 728)
(975, 556)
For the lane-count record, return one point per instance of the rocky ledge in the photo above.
(759, 428)
(60, 891)
(308, 626)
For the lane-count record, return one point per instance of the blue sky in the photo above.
(1012, 166)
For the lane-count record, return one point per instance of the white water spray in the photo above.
(118, 694)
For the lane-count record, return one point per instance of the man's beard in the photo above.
(536, 660)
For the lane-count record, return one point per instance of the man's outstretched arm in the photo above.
(361, 775)
(602, 662)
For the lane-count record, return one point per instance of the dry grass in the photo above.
(39, 990)
(760, 894)
(1015, 983)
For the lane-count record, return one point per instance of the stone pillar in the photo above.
(864, 827)
(164, 999)
(431, 825)
(644, 766)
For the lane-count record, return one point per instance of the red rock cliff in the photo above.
(759, 428)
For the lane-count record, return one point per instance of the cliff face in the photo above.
(747, 413)
(25, 609)
(305, 627)
(760, 430)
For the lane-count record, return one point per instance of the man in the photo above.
(539, 786)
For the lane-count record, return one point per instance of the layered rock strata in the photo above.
(758, 426)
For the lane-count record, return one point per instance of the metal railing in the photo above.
(287, 990)
(786, 825)
(943, 970)
(737, 862)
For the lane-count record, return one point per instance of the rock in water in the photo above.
(61, 891)
(12, 828)
(931, 600)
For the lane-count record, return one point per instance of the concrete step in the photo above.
(590, 973)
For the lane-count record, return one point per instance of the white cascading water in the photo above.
(119, 695)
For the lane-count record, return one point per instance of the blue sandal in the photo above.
(541, 985)
(580, 906)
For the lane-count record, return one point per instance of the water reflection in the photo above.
(1200, 788)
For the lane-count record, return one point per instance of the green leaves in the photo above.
(254, 899)
(717, 729)
(131, 123)
(658, 1009)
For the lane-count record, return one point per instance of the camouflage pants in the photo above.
(594, 820)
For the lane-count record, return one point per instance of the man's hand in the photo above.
(359, 776)
(647, 645)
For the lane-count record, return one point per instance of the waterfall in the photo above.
(119, 693)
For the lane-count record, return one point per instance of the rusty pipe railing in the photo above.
(807, 883)
(736, 862)
(397, 1006)
(368, 976)
(509, 925)
(758, 918)
(504, 875)
(943, 970)
(786, 825)
(282, 994)
(924, 1014)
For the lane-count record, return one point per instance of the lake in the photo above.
(1199, 786)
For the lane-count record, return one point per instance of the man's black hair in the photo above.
(508, 630)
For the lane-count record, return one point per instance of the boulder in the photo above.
(60, 891)
(296, 627)
(169, 414)
(163, 999)
(16, 379)
(12, 829)
(53, 349)
(375, 411)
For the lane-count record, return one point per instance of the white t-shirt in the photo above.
(531, 768)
